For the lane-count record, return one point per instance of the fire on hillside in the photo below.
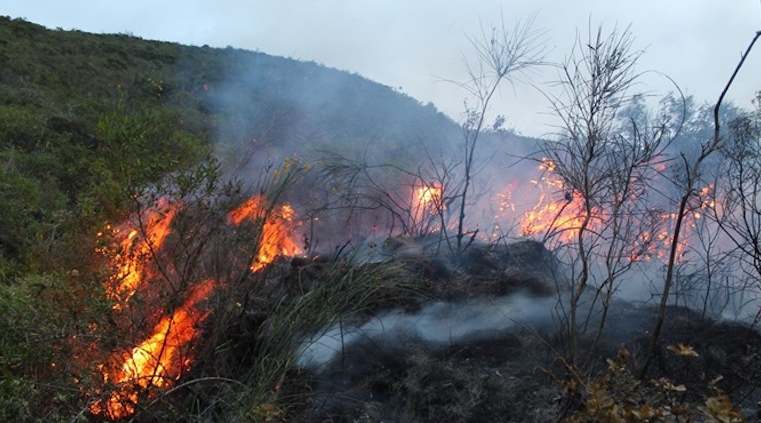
(162, 351)
(134, 373)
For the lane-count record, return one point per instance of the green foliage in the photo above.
(20, 126)
(17, 210)
(95, 127)
(29, 210)
(93, 119)
(78, 136)
(42, 318)
(15, 397)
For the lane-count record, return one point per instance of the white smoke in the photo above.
(437, 324)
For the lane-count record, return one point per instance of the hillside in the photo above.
(103, 138)
(64, 93)
(201, 234)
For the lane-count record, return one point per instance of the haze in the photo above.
(415, 46)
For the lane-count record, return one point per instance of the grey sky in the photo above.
(415, 44)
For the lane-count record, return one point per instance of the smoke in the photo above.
(274, 108)
(284, 108)
(436, 324)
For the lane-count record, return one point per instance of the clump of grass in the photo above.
(261, 330)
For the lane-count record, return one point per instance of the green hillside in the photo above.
(84, 116)
(94, 129)
(200, 234)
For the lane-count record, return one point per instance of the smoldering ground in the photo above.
(489, 356)
(437, 325)
(415, 371)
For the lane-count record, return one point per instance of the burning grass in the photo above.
(157, 362)
(164, 306)
(187, 363)
(264, 306)
(163, 275)
(201, 289)
(276, 230)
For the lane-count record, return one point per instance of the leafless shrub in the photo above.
(607, 165)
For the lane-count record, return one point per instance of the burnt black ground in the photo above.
(506, 375)
(503, 378)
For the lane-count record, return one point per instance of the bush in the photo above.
(43, 319)
(618, 396)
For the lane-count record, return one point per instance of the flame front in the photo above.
(162, 356)
(560, 213)
(134, 250)
(564, 215)
(276, 230)
(429, 195)
(159, 360)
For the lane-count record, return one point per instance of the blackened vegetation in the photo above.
(726, 349)
(487, 380)
(480, 271)
(506, 375)
(482, 377)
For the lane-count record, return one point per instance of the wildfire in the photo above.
(428, 194)
(276, 231)
(705, 200)
(159, 360)
(154, 227)
(547, 164)
(163, 354)
(660, 243)
(560, 215)
(548, 207)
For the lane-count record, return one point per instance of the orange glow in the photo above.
(133, 250)
(561, 217)
(429, 194)
(547, 206)
(251, 209)
(547, 164)
(159, 360)
(706, 197)
(428, 202)
(163, 355)
(277, 229)
(557, 209)
(504, 202)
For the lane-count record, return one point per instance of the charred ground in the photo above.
(513, 372)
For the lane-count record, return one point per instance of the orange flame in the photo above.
(134, 248)
(159, 360)
(547, 164)
(564, 215)
(429, 194)
(428, 201)
(277, 229)
(561, 211)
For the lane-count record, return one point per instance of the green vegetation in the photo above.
(85, 119)
(94, 129)
(126, 160)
